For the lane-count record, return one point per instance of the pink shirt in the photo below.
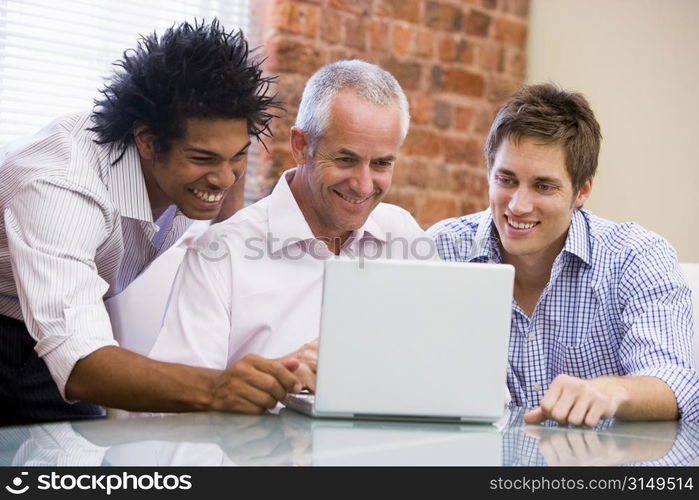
(253, 283)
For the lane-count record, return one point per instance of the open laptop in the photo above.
(412, 340)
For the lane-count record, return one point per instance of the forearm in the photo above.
(118, 378)
(640, 397)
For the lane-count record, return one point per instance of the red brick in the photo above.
(355, 32)
(292, 56)
(473, 204)
(403, 10)
(361, 7)
(422, 142)
(500, 88)
(418, 174)
(438, 178)
(465, 51)
(402, 39)
(296, 18)
(403, 197)
(517, 7)
(443, 112)
(483, 119)
(490, 4)
(408, 74)
(378, 35)
(478, 23)
(447, 48)
(516, 63)
(461, 150)
(436, 207)
(443, 17)
(510, 32)
(463, 117)
(421, 108)
(331, 27)
(468, 180)
(281, 160)
(463, 82)
(424, 44)
(491, 57)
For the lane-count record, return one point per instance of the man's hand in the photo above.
(254, 384)
(307, 358)
(572, 400)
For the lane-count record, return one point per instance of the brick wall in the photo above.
(456, 60)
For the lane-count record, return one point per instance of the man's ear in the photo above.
(299, 146)
(584, 193)
(144, 140)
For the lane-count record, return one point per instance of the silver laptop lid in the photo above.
(414, 338)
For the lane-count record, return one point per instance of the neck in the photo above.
(157, 199)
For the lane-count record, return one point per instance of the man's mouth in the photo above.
(208, 196)
(353, 200)
(520, 224)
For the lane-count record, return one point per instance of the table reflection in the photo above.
(288, 438)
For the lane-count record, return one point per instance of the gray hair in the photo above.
(367, 80)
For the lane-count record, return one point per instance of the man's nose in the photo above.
(521, 201)
(362, 182)
(222, 177)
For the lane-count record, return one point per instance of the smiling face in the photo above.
(532, 200)
(199, 169)
(347, 171)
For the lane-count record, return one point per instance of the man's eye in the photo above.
(505, 181)
(544, 188)
(345, 159)
(383, 163)
(200, 159)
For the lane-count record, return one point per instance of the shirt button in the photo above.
(532, 335)
(536, 387)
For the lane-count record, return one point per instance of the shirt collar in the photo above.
(485, 243)
(288, 226)
(127, 186)
(578, 240)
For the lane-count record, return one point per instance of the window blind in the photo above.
(54, 56)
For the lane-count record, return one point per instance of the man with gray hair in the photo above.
(252, 284)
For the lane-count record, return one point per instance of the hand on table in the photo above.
(576, 401)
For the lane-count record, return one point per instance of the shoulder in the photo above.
(624, 240)
(63, 152)
(246, 223)
(628, 251)
(392, 218)
(463, 227)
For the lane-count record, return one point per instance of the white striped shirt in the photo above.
(75, 230)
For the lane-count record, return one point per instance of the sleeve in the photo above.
(196, 326)
(54, 231)
(657, 316)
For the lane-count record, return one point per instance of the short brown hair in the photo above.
(546, 112)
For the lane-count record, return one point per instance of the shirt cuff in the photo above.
(87, 329)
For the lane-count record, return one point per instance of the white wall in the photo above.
(637, 62)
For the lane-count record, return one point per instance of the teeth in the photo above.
(350, 200)
(521, 225)
(208, 196)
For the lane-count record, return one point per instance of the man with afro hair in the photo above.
(90, 200)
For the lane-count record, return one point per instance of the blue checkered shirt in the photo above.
(616, 304)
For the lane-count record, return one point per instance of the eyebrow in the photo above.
(547, 180)
(349, 152)
(206, 152)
